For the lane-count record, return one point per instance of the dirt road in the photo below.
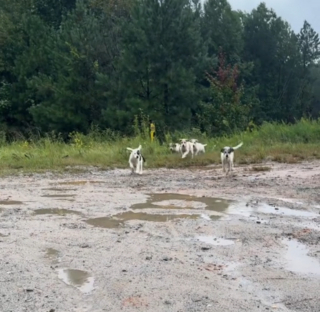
(169, 240)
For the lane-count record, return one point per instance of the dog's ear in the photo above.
(222, 150)
(231, 150)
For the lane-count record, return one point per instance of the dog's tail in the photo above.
(238, 146)
(204, 144)
(129, 149)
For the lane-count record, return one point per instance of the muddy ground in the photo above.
(108, 241)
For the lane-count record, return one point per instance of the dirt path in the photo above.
(97, 241)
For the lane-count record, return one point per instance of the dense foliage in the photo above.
(71, 65)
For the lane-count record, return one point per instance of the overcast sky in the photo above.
(293, 11)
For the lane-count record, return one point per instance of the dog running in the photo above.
(198, 147)
(136, 159)
(227, 156)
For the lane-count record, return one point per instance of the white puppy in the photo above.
(136, 159)
(227, 155)
(175, 147)
(186, 148)
(198, 147)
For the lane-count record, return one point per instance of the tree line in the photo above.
(69, 65)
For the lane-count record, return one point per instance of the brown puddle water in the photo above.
(10, 202)
(181, 201)
(119, 219)
(82, 280)
(55, 211)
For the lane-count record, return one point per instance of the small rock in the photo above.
(258, 222)
(276, 208)
(167, 302)
(84, 245)
(148, 257)
(166, 259)
(205, 248)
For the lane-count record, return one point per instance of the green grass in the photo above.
(275, 142)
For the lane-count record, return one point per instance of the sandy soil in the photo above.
(107, 241)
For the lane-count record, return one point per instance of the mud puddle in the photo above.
(216, 241)
(298, 260)
(119, 219)
(79, 182)
(55, 211)
(181, 201)
(10, 202)
(82, 280)
(58, 195)
(56, 189)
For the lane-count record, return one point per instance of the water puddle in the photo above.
(55, 189)
(298, 260)
(82, 280)
(52, 253)
(10, 202)
(80, 182)
(55, 211)
(241, 209)
(267, 209)
(216, 241)
(181, 201)
(119, 219)
(58, 195)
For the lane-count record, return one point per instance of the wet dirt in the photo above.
(55, 211)
(249, 241)
(118, 220)
(298, 260)
(182, 201)
(10, 202)
(77, 278)
(59, 195)
(55, 189)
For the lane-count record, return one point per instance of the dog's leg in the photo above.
(132, 167)
(137, 166)
(141, 166)
(185, 153)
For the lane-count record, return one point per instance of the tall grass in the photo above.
(271, 141)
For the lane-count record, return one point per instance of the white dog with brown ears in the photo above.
(227, 156)
(136, 159)
(186, 148)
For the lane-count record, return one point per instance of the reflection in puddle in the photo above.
(58, 195)
(299, 261)
(265, 208)
(118, 219)
(181, 201)
(215, 240)
(10, 202)
(77, 278)
(55, 211)
(241, 209)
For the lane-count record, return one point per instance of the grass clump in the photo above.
(275, 142)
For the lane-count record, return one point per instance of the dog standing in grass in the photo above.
(227, 156)
(136, 159)
(198, 147)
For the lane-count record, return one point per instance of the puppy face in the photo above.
(184, 143)
(227, 152)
